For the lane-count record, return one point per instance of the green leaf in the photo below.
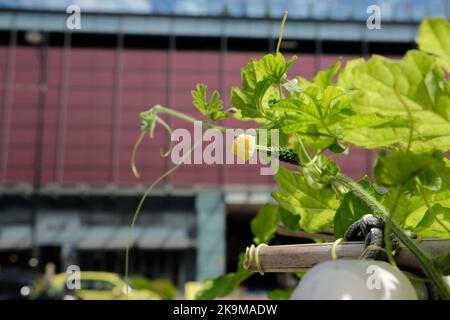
(218, 115)
(443, 262)
(164, 288)
(315, 115)
(401, 167)
(338, 148)
(411, 92)
(279, 294)
(218, 287)
(289, 220)
(253, 103)
(316, 208)
(434, 37)
(324, 78)
(416, 207)
(352, 208)
(264, 225)
(148, 121)
(430, 179)
(276, 66)
(207, 107)
(257, 90)
(224, 285)
(435, 223)
(345, 77)
(444, 173)
(403, 200)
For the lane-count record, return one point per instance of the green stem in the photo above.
(410, 119)
(424, 260)
(141, 203)
(158, 108)
(280, 90)
(280, 38)
(387, 228)
(303, 152)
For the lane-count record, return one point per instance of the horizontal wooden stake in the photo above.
(301, 257)
(325, 236)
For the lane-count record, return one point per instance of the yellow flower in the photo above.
(244, 146)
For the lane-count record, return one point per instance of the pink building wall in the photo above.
(92, 146)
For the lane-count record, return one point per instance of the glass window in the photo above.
(97, 285)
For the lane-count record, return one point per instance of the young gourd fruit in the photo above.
(244, 146)
(354, 280)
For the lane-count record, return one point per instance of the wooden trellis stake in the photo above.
(301, 257)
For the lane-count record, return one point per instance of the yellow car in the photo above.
(98, 286)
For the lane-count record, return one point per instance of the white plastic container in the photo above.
(354, 280)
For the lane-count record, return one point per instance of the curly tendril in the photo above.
(169, 131)
(133, 154)
(141, 203)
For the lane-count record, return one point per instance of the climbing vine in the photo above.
(399, 107)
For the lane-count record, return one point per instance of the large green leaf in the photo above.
(289, 219)
(264, 225)
(434, 37)
(417, 207)
(276, 66)
(324, 78)
(315, 114)
(252, 98)
(444, 173)
(435, 223)
(411, 92)
(400, 167)
(315, 207)
(411, 207)
(352, 208)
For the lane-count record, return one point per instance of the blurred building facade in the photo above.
(69, 116)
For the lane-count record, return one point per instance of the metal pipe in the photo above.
(37, 172)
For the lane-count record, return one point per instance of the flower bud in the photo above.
(244, 146)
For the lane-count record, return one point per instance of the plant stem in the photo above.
(280, 38)
(424, 260)
(141, 203)
(387, 227)
(280, 90)
(158, 108)
(410, 119)
(303, 152)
